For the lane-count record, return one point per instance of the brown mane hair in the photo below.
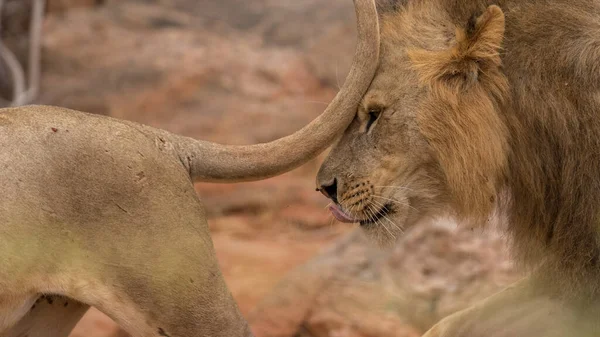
(517, 110)
(466, 88)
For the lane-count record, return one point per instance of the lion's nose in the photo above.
(330, 190)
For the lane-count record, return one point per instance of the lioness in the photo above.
(481, 106)
(103, 213)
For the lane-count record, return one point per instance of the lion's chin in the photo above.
(386, 230)
(377, 216)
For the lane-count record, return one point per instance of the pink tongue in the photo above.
(339, 214)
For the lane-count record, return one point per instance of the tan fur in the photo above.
(103, 212)
(486, 107)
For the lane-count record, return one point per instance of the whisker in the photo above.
(398, 227)
(372, 211)
(379, 205)
(351, 210)
(382, 224)
(371, 217)
(332, 221)
(396, 201)
(370, 214)
(331, 216)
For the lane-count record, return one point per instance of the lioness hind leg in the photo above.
(156, 290)
(50, 316)
(180, 302)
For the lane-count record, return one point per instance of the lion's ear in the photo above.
(475, 51)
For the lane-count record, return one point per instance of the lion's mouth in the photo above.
(342, 216)
(383, 211)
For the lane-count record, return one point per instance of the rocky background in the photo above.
(240, 72)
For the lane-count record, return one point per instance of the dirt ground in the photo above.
(241, 72)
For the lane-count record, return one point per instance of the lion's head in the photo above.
(428, 136)
(476, 107)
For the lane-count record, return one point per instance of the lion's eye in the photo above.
(374, 114)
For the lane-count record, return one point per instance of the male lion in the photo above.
(103, 213)
(480, 106)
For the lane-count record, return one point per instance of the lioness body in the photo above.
(480, 106)
(67, 238)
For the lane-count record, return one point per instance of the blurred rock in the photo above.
(356, 289)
